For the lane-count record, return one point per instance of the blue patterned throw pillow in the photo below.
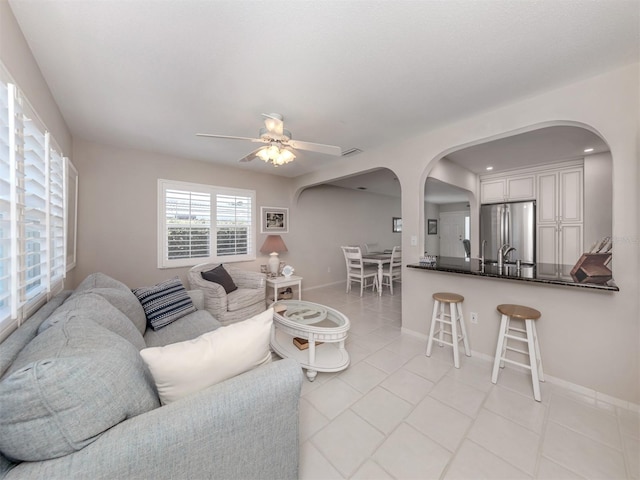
(165, 302)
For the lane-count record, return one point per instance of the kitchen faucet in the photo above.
(503, 251)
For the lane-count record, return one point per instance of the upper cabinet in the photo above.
(508, 189)
(560, 196)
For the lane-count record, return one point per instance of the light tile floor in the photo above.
(396, 414)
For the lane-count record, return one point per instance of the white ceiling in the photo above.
(149, 74)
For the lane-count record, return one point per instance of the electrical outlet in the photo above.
(474, 317)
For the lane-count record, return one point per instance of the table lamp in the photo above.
(273, 245)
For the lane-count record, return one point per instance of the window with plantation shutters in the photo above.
(32, 209)
(203, 223)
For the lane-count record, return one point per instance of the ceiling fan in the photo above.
(279, 145)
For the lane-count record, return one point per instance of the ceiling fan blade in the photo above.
(230, 137)
(250, 156)
(274, 123)
(315, 147)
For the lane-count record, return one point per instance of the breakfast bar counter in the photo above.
(540, 273)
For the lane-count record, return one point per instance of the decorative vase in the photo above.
(274, 263)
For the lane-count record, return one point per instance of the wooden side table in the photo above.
(280, 282)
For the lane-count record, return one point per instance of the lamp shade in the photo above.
(273, 243)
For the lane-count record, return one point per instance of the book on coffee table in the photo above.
(303, 343)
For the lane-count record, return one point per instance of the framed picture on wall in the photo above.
(397, 224)
(432, 226)
(274, 220)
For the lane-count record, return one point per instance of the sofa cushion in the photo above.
(69, 385)
(187, 328)
(123, 300)
(100, 280)
(183, 368)
(165, 302)
(98, 309)
(220, 276)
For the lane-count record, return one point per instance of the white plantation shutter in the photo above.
(32, 209)
(189, 214)
(233, 225)
(56, 220)
(31, 183)
(5, 209)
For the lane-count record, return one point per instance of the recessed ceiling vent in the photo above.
(350, 152)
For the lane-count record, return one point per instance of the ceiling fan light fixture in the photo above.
(276, 155)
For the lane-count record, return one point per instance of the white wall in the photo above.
(598, 184)
(17, 58)
(328, 217)
(587, 337)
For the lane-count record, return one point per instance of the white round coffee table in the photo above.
(320, 332)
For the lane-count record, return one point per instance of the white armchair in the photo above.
(245, 302)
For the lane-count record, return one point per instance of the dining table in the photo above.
(380, 259)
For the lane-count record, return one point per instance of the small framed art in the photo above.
(274, 220)
(432, 226)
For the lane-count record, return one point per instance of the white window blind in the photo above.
(32, 212)
(5, 208)
(188, 215)
(233, 224)
(56, 212)
(31, 183)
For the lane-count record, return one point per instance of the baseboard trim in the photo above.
(588, 392)
(323, 285)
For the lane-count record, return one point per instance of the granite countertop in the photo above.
(539, 273)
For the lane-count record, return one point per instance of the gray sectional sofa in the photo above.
(78, 401)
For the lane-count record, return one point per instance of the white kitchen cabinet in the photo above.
(508, 189)
(492, 191)
(560, 216)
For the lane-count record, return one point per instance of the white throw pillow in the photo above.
(182, 368)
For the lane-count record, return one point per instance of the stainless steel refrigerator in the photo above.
(512, 223)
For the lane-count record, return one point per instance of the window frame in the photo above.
(162, 236)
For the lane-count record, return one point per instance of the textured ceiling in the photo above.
(150, 74)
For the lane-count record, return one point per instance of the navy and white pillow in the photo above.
(165, 302)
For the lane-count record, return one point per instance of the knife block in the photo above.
(591, 268)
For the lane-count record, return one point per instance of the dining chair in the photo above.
(393, 273)
(371, 247)
(357, 271)
(467, 247)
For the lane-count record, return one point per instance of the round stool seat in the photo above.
(519, 311)
(446, 297)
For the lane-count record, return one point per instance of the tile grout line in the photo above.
(627, 467)
(543, 435)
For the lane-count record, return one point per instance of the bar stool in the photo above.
(453, 300)
(527, 335)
